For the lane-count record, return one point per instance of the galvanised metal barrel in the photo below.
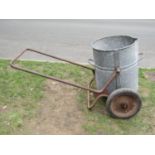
(116, 51)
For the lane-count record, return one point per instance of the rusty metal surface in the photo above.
(98, 93)
(13, 64)
(54, 78)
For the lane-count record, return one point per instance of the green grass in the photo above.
(21, 92)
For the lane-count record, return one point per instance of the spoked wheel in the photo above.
(123, 103)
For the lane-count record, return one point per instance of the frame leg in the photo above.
(89, 104)
(92, 105)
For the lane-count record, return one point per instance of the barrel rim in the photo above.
(102, 50)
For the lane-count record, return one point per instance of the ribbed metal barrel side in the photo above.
(112, 52)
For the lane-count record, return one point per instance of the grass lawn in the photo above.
(21, 92)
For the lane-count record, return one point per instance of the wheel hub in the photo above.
(123, 105)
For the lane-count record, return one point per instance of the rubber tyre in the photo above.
(123, 103)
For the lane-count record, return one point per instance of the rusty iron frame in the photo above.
(99, 93)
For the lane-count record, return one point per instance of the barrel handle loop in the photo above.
(141, 56)
(91, 62)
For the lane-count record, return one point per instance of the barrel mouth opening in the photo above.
(113, 43)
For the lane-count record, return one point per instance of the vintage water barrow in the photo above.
(115, 72)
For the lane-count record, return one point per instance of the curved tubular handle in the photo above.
(13, 62)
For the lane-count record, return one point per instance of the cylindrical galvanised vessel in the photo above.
(116, 51)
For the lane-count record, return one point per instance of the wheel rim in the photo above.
(124, 106)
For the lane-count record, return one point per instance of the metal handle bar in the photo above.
(12, 64)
